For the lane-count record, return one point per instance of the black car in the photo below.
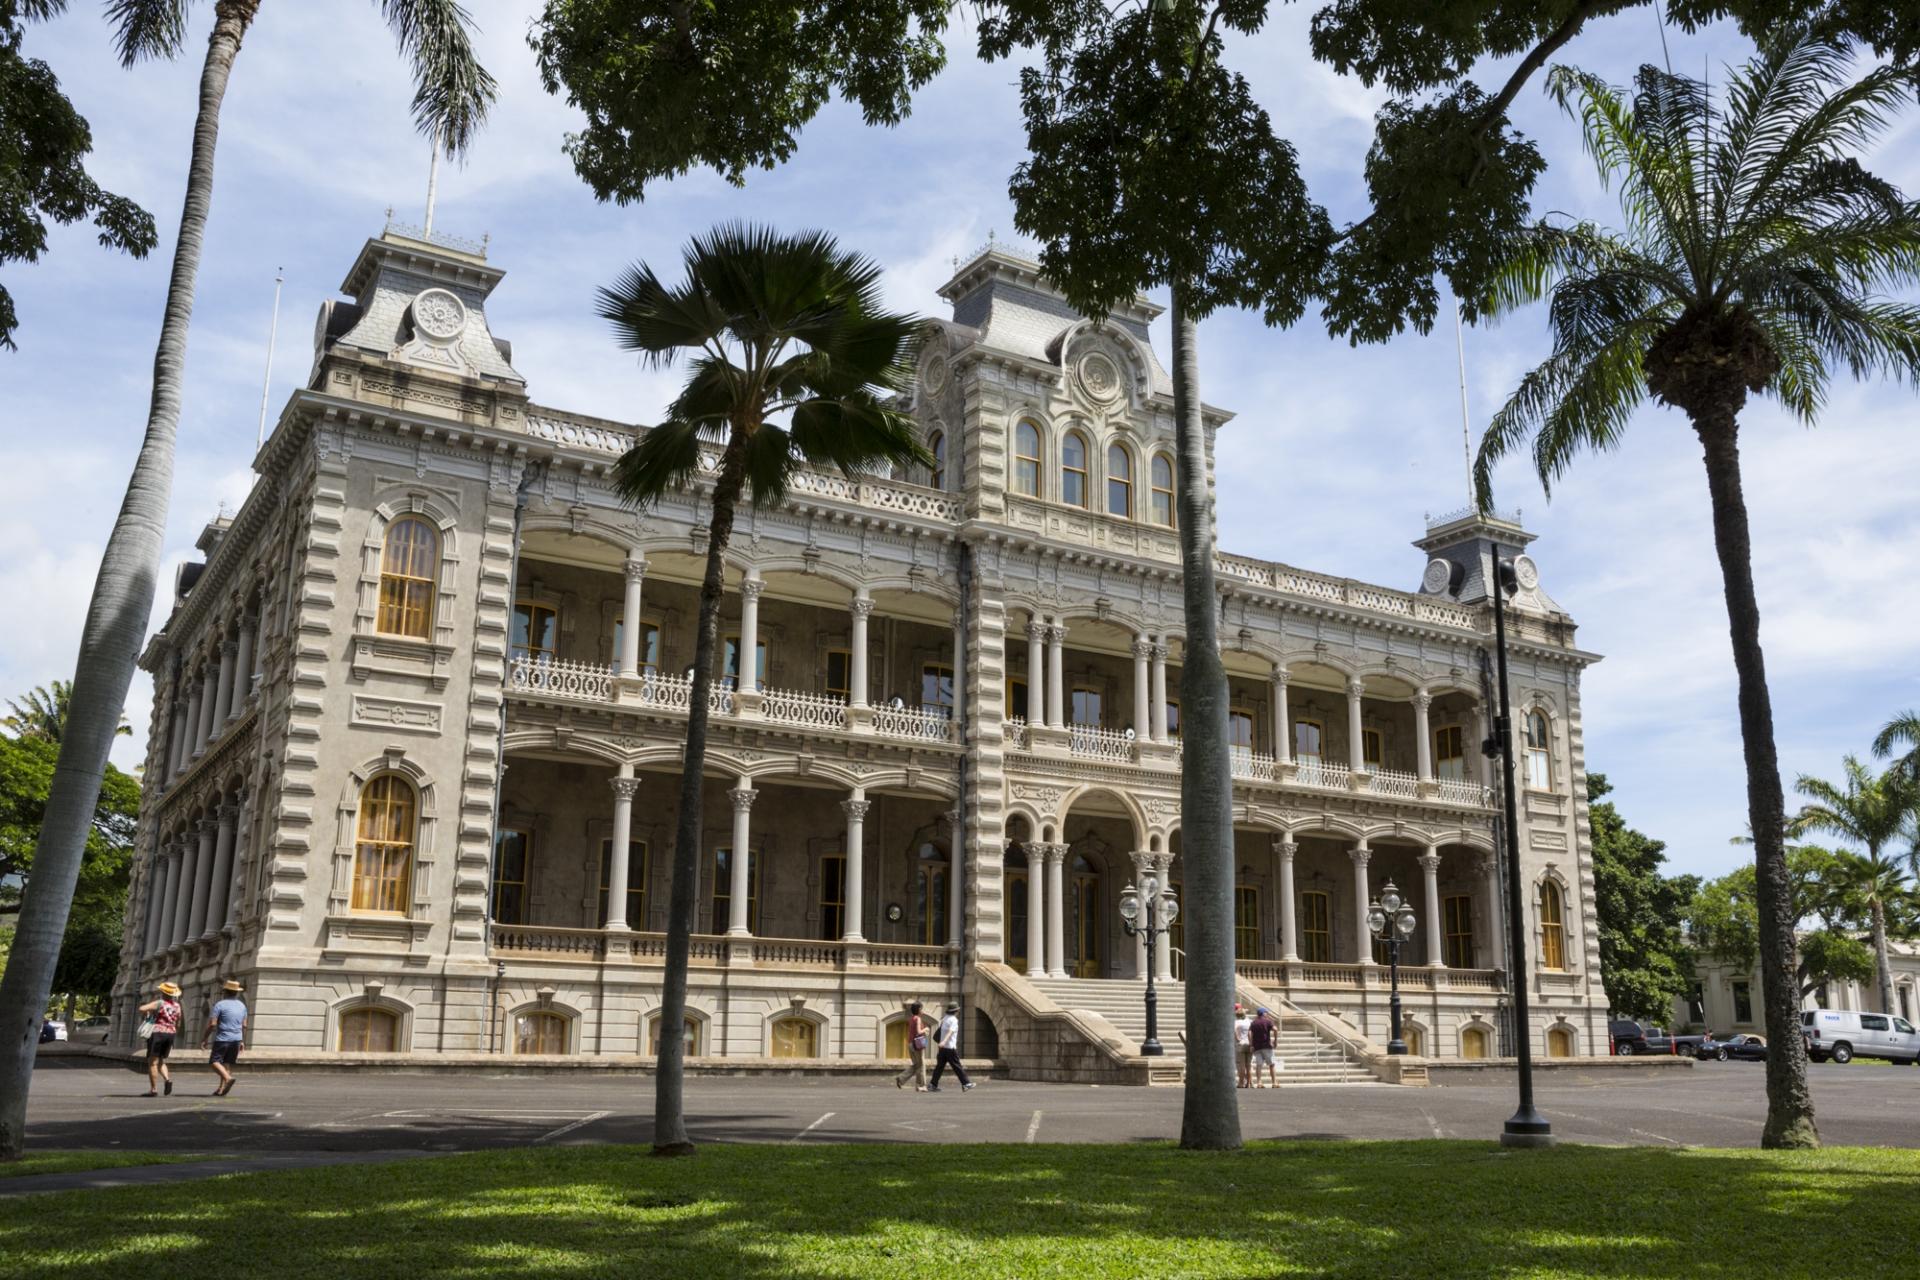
(1628, 1037)
(1746, 1048)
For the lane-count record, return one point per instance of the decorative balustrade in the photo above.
(583, 681)
(1250, 765)
(1283, 975)
(807, 710)
(549, 940)
(915, 723)
(675, 693)
(556, 942)
(1463, 791)
(900, 956)
(1322, 774)
(1392, 782)
(1332, 975)
(799, 953)
(1015, 733)
(1315, 586)
(1100, 744)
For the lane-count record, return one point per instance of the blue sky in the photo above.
(1334, 458)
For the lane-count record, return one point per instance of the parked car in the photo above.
(93, 1030)
(1630, 1038)
(1845, 1034)
(1747, 1048)
(52, 1029)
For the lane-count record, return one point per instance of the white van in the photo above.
(1843, 1035)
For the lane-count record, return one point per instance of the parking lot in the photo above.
(91, 1104)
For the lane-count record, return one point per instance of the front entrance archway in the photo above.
(1083, 904)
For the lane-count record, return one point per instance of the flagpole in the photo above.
(1466, 421)
(266, 383)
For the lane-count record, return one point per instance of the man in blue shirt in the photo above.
(226, 1026)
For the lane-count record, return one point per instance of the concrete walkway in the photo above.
(154, 1175)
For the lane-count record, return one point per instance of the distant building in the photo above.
(418, 723)
(1725, 998)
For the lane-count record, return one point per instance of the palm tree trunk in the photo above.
(116, 622)
(1789, 1103)
(1210, 1119)
(1882, 962)
(669, 1107)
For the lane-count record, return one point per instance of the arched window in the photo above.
(795, 1037)
(1026, 459)
(409, 564)
(937, 446)
(369, 1030)
(1473, 1043)
(1415, 1040)
(383, 852)
(1553, 927)
(536, 631)
(540, 1033)
(1316, 927)
(1559, 1042)
(1539, 755)
(1073, 470)
(689, 1036)
(896, 1046)
(1162, 479)
(1119, 481)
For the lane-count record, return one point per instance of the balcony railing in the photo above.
(1282, 975)
(1250, 765)
(1392, 782)
(1100, 744)
(584, 681)
(1463, 791)
(1323, 774)
(1015, 734)
(557, 942)
(918, 724)
(807, 710)
(675, 693)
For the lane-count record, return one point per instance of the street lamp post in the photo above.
(1148, 912)
(1392, 921)
(1526, 1127)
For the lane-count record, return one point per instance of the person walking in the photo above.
(948, 1038)
(226, 1027)
(160, 1024)
(917, 1047)
(1261, 1034)
(1243, 1044)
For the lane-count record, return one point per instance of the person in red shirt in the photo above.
(166, 1024)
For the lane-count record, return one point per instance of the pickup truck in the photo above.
(1633, 1038)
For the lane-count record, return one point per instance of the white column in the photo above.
(1056, 668)
(1482, 768)
(1430, 867)
(1423, 734)
(750, 590)
(857, 661)
(1363, 936)
(1142, 689)
(1282, 726)
(1163, 945)
(956, 874)
(1036, 671)
(1496, 923)
(196, 904)
(742, 798)
(182, 712)
(1158, 679)
(620, 854)
(243, 671)
(856, 879)
(1284, 848)
(1056, 911)
(151, 940)
(223, 687)
(170, 926)
(1036, 910)
(1356, 747)
(222, 871)
(631, 626)
(203, 731)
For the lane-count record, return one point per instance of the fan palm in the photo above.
(792, 362)
(1873, 812)
(1755, 258)
(452, 93)
(1902, 731)
(42, 713)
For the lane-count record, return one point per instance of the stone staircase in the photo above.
(1309, 1059)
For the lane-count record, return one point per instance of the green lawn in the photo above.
(81, 1161)
(1415, 1209)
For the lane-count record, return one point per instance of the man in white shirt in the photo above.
(947, 1038)
(1243, 1044)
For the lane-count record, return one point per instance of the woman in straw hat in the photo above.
(165, 1014)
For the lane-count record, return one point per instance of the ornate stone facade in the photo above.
(418, 724)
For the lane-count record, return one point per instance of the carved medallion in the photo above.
(1526, 572)
(439, 315)
(933, 375)
(1099, 378)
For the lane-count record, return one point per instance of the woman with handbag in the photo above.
(917, 1046)
(158, 1026)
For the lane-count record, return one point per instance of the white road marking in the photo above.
(569, 1128)
(1638, 1133)
(810, 1128)
(1431, 1122)
(1033, 1126)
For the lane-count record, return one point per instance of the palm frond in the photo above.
(452, 91)
(666, 458)
(147, 28)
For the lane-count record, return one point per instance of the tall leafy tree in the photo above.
(44, 144)
(1645, 961)
(1724, 921)
(1755, 258)
(452, 93)
(1872, 811)
(791, 361)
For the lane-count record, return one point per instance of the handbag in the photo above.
(145, 1030)
(920, 1043)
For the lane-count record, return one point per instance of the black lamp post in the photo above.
(1392, 921)
(1526, 1127)
(1148, 912)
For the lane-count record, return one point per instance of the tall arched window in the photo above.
(409, 564)
(540, 1032)
(1073, 470)
(1553, 927)
(369, 1030)
(1539, 755)
(1162, 479)
(1026, 459)
(937, 446)
(1474, 1043)
(383, 853)
(1119, 481)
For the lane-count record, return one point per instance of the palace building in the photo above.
(419, 716)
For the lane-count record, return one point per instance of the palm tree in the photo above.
(792, 362)
(1902, 731)
(1755, 256)
(1871, 811)
(43, 713)
(452, 93)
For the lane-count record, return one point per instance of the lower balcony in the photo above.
(714, 951)
(1303, 979)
